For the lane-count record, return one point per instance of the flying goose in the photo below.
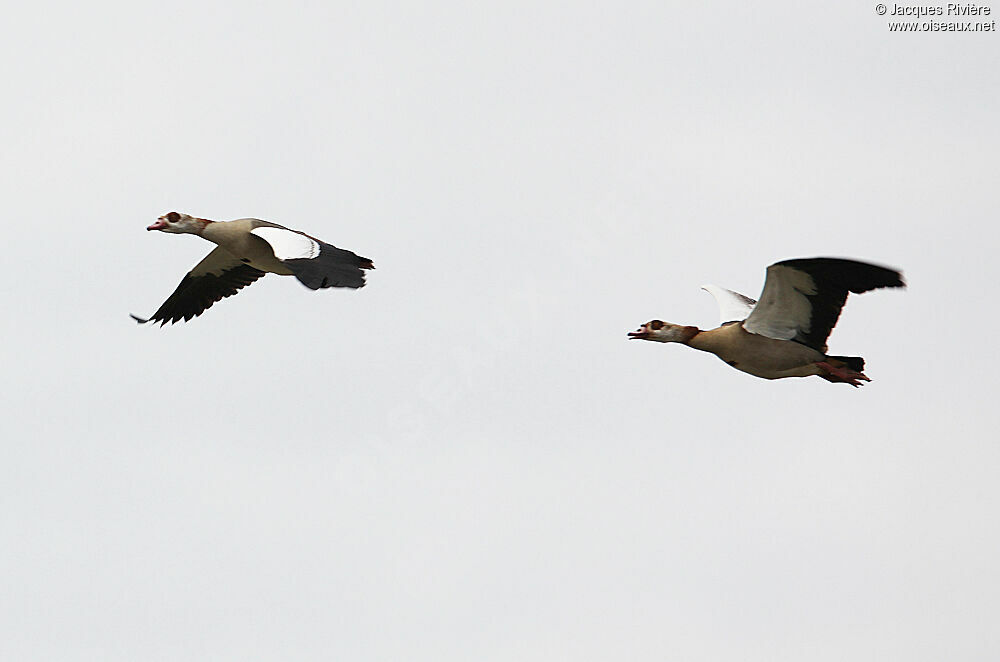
(247, 249)
(784, 335)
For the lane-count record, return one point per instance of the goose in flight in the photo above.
(246, 249)
(784, 334)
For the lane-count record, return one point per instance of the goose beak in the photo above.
(641, 334)
(159, 225)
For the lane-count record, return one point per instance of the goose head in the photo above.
(659, 331)
(176, 223)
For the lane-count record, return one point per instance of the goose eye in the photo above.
(656, 325)
(173, 217)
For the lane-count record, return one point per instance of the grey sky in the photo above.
(466, 460)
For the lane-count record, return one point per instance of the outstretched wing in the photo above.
(802, 298)
(315, 263)
(733, 306)
(217, 276)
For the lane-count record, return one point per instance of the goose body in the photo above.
(246, 250)
(784, 333)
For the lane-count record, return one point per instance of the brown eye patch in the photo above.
(656, 325)
(173, 217)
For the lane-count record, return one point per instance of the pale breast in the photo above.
(758, 355)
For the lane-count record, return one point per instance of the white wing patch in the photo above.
(783, 310)
(286, 244)
(733, 306)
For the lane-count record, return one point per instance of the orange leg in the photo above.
(841, 374)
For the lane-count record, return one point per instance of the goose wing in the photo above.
(217, 276)
(733, 306)
(802, 298)
(315, 263)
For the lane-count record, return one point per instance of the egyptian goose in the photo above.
(247, 249)
(784, 335)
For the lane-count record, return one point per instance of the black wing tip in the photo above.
(333, 267)
(362, 262)
(853, 275)
(340, 283)
(154, 319)
(343, 257)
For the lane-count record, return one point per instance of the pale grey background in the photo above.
(466, 460)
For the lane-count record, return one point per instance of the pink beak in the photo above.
(159, 225)
(641, 334)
